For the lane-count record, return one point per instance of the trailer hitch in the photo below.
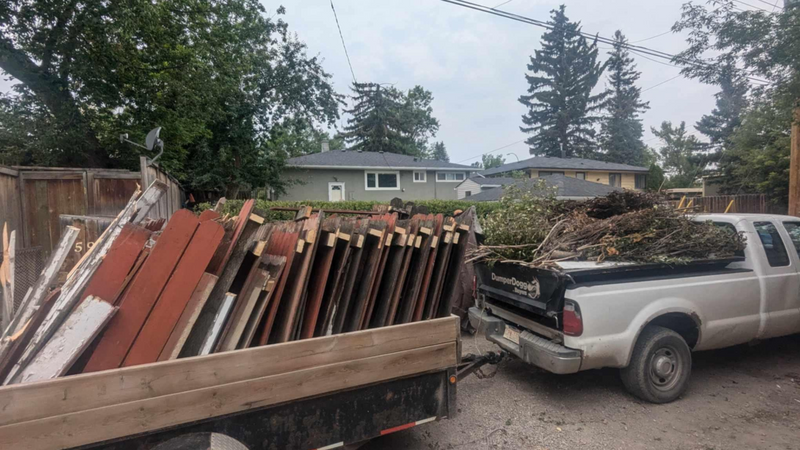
(474, 363)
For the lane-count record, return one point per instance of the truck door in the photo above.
(780, 282)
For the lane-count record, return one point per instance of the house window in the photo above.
(419, 176)
(615, 179)
(449, 176)
(547, 173)
(641, 181)
(387, 181)
(580, 175)
(467, 194)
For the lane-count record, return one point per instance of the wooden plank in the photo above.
(108, 280)
(419, 312)
(219, 322)
(373, 250)
(46, 279)
(14, 345)
(205, 321)
(69, 341)
(176, 295)
(143, 292)
(274, 266)
(209, 214)
(239, 320)
(353, 271)
(413, 229)
(391, 275)
(188, 317)
(320, 274)
(28, 402)
(416, 271)
(282, 243)
(391, 220)
(336, 276)
(9, 255)
(151, 414)
(220, 259)
(460, 242)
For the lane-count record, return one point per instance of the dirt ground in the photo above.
(746, 397)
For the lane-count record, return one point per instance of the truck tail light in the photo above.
(572, 320)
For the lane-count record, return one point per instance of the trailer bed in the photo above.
(240, 393)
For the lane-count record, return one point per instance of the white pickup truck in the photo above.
(646, 319)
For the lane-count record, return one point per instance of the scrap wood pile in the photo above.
(628, 226)
(151, 291)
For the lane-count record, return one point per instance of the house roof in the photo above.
(566, 187)
(496, 181)
(351, 159)
(546, 162)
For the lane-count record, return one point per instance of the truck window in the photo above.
(793, 228)
(772, 243)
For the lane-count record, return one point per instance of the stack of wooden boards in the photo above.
(205, 284)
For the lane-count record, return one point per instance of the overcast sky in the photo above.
(474, 63)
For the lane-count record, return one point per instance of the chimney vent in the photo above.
(326, 146)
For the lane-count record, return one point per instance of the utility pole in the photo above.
(794, 162)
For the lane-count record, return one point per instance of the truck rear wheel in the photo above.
(660, 366)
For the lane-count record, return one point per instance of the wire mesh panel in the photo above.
(28, 265)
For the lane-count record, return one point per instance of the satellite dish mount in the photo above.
(150, 142)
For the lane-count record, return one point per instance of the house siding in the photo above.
(628, 179)
(469, 185)
(312, 184)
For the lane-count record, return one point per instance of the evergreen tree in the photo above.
(439, 152)
(561, 108)
(621, 131)
(385, 119)
(492, 161)
(731, 101)
(680, 154)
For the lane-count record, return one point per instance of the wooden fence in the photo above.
(39, 202)
(746, 203)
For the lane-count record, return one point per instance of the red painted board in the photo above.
(117, 264)
(170, 305)
(142, 293)
(220, 259)
(209, 214)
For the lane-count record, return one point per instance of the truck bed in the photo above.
(115, 405)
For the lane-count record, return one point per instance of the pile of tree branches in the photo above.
(539, 230)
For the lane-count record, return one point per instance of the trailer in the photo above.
(321, 393)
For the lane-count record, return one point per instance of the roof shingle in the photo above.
(566, 187)
(546, 162)
(350, 159)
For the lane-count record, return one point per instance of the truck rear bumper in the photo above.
(531, 348)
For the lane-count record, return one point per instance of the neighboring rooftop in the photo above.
(351, 159)
(566, 188)
(496, 181)
(550, 163)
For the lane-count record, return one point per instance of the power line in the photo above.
(652, 37)
(752, 6)
(491, 151)
(770, 4)
(663, 82)
(596, 37)
(501, 4)
(343, 45)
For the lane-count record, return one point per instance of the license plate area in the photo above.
(512, 334)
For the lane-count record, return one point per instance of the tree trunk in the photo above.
(54, 93)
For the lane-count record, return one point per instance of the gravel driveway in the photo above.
(746, 397)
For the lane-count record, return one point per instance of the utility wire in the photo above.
(491, 151)
(501, 4)
(752, 6)
(652, 37)
(770, 4)
(663, 82)
(343, 44)
(597, 37)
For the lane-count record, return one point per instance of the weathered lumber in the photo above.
(46, 279)
(320, 272)
(238, 321)
(419, 312)
(215, 331)
(274, 266)
(355, 268)
(110, 276)
(143, 292)
(459, 249)
(29, 402)
(221, 257)
(282, 242)
(298, 279)
(391, 274)
(176, 295)
(373, 249)
(7, 276)
(69, 341)
(15, 344)
(116, 421)
(416, 271)
(391, 221)
(394, 303)
(437, 278)
(188, 317)
(336, 276)
(209, 214)
(245, 240)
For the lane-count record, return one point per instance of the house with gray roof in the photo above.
(564, 187)
(338, 175)
(612, 174)
(478, 183)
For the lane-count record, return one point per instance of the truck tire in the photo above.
(660, 366)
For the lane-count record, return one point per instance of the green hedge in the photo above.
(445, 207)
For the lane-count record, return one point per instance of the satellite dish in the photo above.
(152, 138)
